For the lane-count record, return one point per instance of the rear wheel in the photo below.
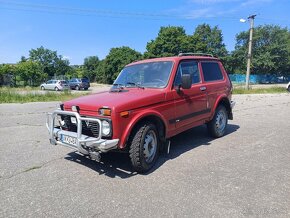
(288, 88)
(217, 126)
(144, 149)
(42, 88)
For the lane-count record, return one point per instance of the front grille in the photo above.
(90, 128)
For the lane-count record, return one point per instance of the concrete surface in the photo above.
(243, 174)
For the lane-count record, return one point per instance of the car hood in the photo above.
(127, 99)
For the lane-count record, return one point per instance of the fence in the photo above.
(255, 79)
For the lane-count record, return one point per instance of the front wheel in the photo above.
(77, 88)
(288, 88)
(56, 89)
(144, 148)
(42, 88)
(217, 126)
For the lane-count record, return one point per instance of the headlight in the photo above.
(106, 128)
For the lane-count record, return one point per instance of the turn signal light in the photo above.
(125, 114)
(105, 111)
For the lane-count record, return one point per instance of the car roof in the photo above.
(175, 59)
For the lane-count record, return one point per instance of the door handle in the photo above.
(203, 88)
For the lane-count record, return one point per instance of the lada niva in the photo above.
(150, 102)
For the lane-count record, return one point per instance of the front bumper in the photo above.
(83, 143)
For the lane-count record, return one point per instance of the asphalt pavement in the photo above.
(243, 174)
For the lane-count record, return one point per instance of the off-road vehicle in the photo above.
(150, 102)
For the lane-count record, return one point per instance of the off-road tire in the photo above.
(217, 126)
(137, 149)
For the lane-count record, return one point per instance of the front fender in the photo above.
(137, 118)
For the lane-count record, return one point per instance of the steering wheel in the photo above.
(160, 81)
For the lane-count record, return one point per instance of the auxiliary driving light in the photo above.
(75, 108)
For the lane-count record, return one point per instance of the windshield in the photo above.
(151, 75)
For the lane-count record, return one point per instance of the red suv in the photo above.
(150, 102)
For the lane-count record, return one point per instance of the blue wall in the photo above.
(255, 79)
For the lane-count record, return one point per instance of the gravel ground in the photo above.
(243, 174)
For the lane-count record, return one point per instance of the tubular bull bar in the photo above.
(80, 140)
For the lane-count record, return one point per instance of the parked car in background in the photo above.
(57, 85)
(78, 84)
(288, 87)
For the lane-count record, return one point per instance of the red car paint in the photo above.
(178, 111)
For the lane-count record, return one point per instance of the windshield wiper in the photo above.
(135, 84)
(117, 87)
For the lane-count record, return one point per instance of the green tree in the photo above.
(170, 41)
(50, 62)
(30, 72)
(210, 40)
(114, 62)
(7, 72)
(61, 66)
(271, 50)
(90, 67)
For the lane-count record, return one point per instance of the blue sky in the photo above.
(80, 28)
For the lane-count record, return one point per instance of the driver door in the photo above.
(191, 105)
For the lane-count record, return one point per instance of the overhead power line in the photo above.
(20, 6)
(12, 5)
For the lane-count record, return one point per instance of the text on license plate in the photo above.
(69, 140)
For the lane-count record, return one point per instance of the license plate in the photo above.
(69, 140)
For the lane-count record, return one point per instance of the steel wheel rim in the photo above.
(150, 146)
(221, 121)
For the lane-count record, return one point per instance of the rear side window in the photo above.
(211, 71)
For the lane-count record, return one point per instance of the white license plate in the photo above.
(69, 140)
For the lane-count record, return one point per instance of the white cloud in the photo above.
(251, 2)
(209, 12)
(66, 57)
(208, 2)
(193, 14)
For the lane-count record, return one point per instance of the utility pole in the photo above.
(251, 19)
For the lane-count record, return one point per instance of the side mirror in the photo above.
(186, 80)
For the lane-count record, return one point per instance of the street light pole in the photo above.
(251, 18)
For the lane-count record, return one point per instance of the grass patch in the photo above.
(22, 88)
(270, 90)
(11, 95)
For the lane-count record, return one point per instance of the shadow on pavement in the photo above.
(119, 165)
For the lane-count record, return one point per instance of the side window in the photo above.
(211, 71)
(187, 67)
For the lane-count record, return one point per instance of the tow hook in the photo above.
(95, 156)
